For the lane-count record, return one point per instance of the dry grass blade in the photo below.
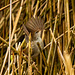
(9, 38)
(68, 19)
(16, 20)
(8, 5)
(36, 9)
(43, 8)
(68, 63)
(44, 59)
(4, 61)
(2, 19)
(68, 59)
(59, 37)
(29, 57)
(59, 51)
(19, 60)
(53, 58)
(49, 49)
(73, 6)
(13, 47)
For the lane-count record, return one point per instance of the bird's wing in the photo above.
(35, 24)
(25, 30)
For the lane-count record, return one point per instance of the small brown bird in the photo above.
(35, 26)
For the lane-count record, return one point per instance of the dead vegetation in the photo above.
(58, 55)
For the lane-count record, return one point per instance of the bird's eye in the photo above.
(37, 32)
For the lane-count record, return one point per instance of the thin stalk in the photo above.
(16, 20)
(68, 59)
(13, 65)
(2, 19)
(8, 5)
(13, 47)
(36, 8)
(68, 18)
(53, 58)
(48, 59)
(73, 7)
(29, 8)
(9, 37)
(7, 68)
(29, 51)
(43, 56)
(41, 63)
(4, 60)
(58, 6)
(50, 18)
(54, 7)
(18, 47)
(59, 36)
(29, 57)
(65, 61)
(43, 9)
(19, 61)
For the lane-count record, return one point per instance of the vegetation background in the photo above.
(58, 55)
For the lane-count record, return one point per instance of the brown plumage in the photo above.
(35, 26)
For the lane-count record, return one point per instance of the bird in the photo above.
(35, 26)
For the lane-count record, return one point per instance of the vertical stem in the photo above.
(68, 19)
(58, 6)
(50, 2)
(49, 54)
(50, 18)
(29, 51)
(54, 7)
(16, 48)
(13, 65)
(16, 20)
(37, 62)
(41, 63)
(65, 26)
(64, 36)
(53, 59)
(29, 57)
(29, 9)
(36, 8)
(9, 37)
(4, 60)
(73, 7)
(20, 60)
